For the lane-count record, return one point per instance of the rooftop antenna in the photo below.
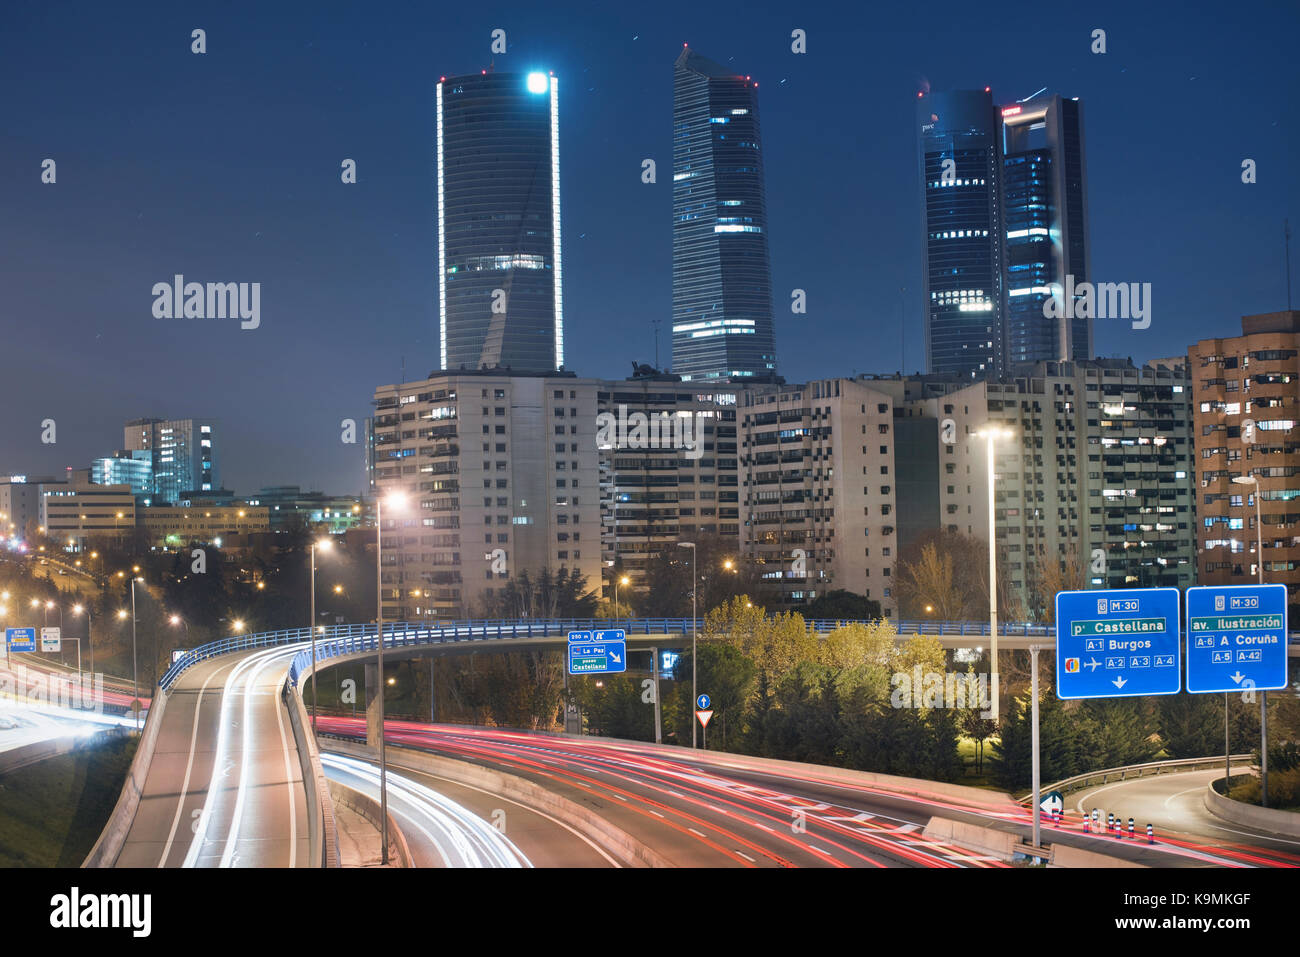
(655, 323)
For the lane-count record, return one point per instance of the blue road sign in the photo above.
(21, 639)
(1117, 643)
(702, 702)
(597, 652)
(1236, 638)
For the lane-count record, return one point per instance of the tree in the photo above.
(1059, 743)
(1049, 577)
(1117, 732)
(1191, 725)
(561, 594)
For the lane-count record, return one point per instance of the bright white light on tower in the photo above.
(538, 83)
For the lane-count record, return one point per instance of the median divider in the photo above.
(323, 830)
(113, 837)
(368, 808)
(1251, 815)
(623, 847)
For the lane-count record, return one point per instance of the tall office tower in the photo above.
(1044, 211)
(1245, 394)
(184, 455)
(959, 158)
(500, 300)
(722, 281)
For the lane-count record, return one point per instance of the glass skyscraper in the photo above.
(182, 452)
(1044, 210)
(500, 300)
(960, 165)
(722, 282)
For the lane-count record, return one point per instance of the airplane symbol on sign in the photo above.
(1092, 663)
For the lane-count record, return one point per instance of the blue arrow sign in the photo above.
(597, 657)
(702, 702)
(1236, 638)
(21, 639)
(1117, 643)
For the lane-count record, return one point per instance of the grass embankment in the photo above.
(52, 812)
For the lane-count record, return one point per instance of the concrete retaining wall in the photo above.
(323, 830)
(368, 808)
(111, 839)
(1265, 818)
(975, 837)
(620, 845)
(1063, 855)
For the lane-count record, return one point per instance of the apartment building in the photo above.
(668, 468)
(817, 484)
(500, 475)
(1244, 394)
(1095, 477)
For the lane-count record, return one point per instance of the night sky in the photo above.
(225, 167)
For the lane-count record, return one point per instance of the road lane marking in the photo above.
(189, 767)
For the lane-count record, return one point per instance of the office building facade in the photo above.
(1044, 210)
(183, 454)
(500, 289)
(1245, 391)
(959, 160)
(125, 468)
(722, 283)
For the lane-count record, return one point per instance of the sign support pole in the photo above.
(1227, 748)
(659, 730)
(1263, 748)
(1033, 745)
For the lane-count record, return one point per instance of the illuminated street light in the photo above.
(324, 544)
(394, 500)
(991, 433)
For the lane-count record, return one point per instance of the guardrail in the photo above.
(437, 632)
(398, 634)
(1105, 776)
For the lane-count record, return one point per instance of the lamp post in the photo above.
(324, 544)
(1263, 695)
(694, 691)
(135, 672)
(395, 500)
(991, 434)
(178, 620)
(620, 580)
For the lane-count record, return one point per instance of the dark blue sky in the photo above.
(225, 167)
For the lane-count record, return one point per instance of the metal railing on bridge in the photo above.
(407, 633)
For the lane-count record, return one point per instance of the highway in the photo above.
(700, 815)
(225, 785)
(1175, 805)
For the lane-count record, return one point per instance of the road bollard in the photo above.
(1087, 819)
(1110, 822)
(1151, 838)
(1130, 829)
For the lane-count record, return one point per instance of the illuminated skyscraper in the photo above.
(500, 299)
(722, 283)
(960, 166)
(1044, 202)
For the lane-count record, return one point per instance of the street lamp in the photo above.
(620, 580)
(1263, 695)
(325, 545)
(396, 500)
(991, 434)
(77, 610)
(694, 692)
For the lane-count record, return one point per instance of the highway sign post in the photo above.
(20, 639)
(597, 652)
(1237, 642)
(1236, 638)
(1118, 643)
(703, 715)
(51, 639)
